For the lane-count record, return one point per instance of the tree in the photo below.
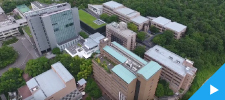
(132, 27)
(83, 34)
(154, 29)
(93, 89)
(164, 39)
(140, 51)
(11, 80)
(141, 36)
(89, 98)
(104, 17)
(7, 56)
(56, 50)
(37, 66)
(85, 70)
(159, 90)
(113, 18)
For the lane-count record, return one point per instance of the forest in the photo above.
(204, 40)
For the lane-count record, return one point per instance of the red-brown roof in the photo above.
(24, 91)
(26, 77)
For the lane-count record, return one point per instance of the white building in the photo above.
(86, 47)
(97, 9)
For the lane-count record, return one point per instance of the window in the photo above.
(56, 29)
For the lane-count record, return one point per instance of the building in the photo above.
(121, 34)
(81, 84)
(54, 26)
(178, 71)
(54, 84)
(97, 9)
(21, 9)
(9, 26)
(85, 47)
(164, 24)
(124, 75)
(37, 5)
(126, 14)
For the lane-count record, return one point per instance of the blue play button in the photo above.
(213, 88)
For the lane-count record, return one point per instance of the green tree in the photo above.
(113, 18)
(83, 34)
(92, 89)
(154, 29)
(159, 90)
(141, 36)
(132, 27)
(140, 51)
(89, 98)
(37, 66)
(11, 80)
(7, 56)
(56, 50)
(104, 17)
(85, 70)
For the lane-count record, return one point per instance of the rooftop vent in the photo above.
(156, 50)
(177, 61)
(170, 57)
(134, 69)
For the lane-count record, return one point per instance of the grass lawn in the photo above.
(88, 19)
(10, 41)
(27, 30)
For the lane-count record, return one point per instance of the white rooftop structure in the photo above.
(175, 26)
(90, 43)
(82, 82)
(161, 20)
(169, 59)
(139, 19)
(96, 6)
(62, 72)
(1, 10)
(127, 12)
(121, 28)
(112, 4)
(49, 82)
(96, 37)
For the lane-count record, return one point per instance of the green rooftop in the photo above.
(23, 8)
(149, 70)
(88, 19)
(115, 54)
(27, 30)
(123, 73)
(130, 53)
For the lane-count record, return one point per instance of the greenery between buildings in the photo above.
(92, 89)
(140, 51)
(11, 80)
(56, 51)
(132, 27)
(163, 89)
(83, 34)
(17, 16)
(88, 19)
(153, 29)
(109, 19)
(141, 36)
(7, 56)
(10, 41)
(27, 30)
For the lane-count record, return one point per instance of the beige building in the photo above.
(178, 71)
(126, 14)
(124, 75)
(121, 34)
(164, 24)
(54, 84)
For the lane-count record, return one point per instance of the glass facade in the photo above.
(63, 25)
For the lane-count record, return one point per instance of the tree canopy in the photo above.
(7, 56)
(140, 51)
(11, 80)
(92, 89)
(141, 36)
(163, 89)
(109, 19)
(56, 50)
(132, 27)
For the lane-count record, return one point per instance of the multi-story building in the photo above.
(21, 9)
(178, 71)
(164, 24)
(54, 26)
(54, 84)
(9, 26)
(121, 34)
(37, 5)
(97, 9)
(124, 75)
(126, 14)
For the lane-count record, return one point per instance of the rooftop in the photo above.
(149, 70)
(112, 4)
(123, 73)
(39, 5)
(82, 82)
(27, 30)
(121, 29)
(139, 19)
(96, 37)
(161, 20)
(1, 10)
(62, 72)
(127, 12)
(176, 26)
(90, 43)
(89, 19)
(3, 17)
(168, 58)
(115, 54)
(96, 6)
(74, 95)
(23, 8)
(24, 91)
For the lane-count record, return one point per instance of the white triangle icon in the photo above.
(213, 89)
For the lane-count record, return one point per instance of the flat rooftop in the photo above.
(124, 32)
(161, 20)
(39, 5)
(112, 4)
(167, 58)
(3, 17)
(149, 70)
(176, 26)
(139, 19)
(23, 8)
(62, 72)
(1, 10)
(127, 12)
(96, 37)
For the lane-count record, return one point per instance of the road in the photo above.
(25, 52)
(147, 42)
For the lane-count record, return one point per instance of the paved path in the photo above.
(25, 53)
(3, 97)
